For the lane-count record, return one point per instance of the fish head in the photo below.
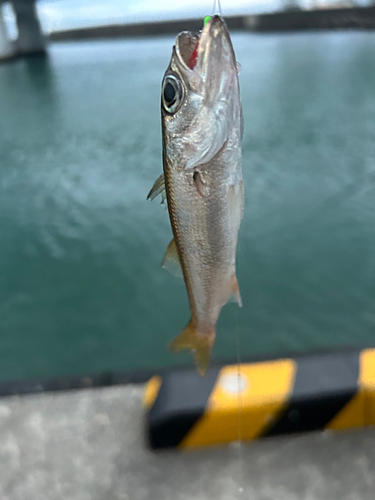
(201, 107)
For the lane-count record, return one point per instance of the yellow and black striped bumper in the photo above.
(327, 391)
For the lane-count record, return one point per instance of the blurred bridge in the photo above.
(30, 38)
(32, 41)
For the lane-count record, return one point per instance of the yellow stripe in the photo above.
(151, 391)
(265, 389)
(352, 415)
(360, 411)
(367, 381)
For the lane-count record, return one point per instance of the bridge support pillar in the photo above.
(30, 36)
(6, 45)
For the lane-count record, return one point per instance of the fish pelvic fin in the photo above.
(199, 344)
(171, 261)
(158, 189)
(234, 294)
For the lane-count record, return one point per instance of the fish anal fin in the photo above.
(234, 294)
(158, 188)
(171, 261)
(199, 344)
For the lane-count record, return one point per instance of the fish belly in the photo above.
(205, 223)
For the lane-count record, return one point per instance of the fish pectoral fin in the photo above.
(158, 188)
(234, 294)
(199, 344)
(199, 183)
(171, 261)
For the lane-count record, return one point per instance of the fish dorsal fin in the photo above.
(158, 188)
(234, 294)
(171, 261)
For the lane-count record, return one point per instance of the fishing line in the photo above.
(216, 9)
(239, 413)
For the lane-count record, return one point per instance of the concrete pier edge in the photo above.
(108, 378)
(89, 444)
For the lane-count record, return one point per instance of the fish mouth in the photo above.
(207, 67)
(186, 43)
(202, 52)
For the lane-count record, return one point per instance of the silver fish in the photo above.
(202, 126)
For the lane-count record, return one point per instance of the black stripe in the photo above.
(324, 385)
(181, 401)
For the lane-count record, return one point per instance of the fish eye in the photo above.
(171, 94)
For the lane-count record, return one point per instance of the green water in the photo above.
(81, 288)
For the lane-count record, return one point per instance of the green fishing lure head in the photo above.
(206, 20)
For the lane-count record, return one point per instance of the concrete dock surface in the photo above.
(89, 445)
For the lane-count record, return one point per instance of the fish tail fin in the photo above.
(199, 344)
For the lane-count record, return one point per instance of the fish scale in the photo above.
(202, 128)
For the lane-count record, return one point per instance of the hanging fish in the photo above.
(202, 128)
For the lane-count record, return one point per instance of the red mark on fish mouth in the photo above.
(193, 57)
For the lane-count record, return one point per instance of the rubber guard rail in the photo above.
(328, 391)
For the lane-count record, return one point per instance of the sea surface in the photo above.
(81, 287)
